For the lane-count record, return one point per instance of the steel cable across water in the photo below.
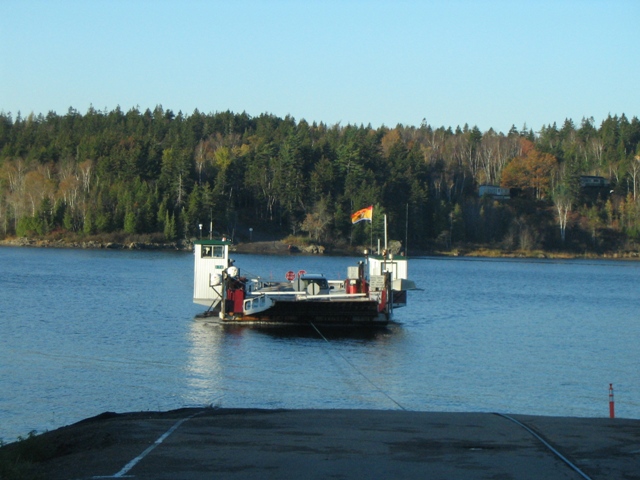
(358, 370)
(532, 432)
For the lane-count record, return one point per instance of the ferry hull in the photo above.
(320, 313)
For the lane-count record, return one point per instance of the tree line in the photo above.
(165, 175)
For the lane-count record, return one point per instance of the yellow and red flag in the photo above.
(366, 214)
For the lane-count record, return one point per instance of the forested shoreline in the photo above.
(161, 177)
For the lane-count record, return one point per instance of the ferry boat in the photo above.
(367, 296)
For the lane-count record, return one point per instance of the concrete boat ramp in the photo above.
(343, 444)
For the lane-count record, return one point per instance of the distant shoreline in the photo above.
(279, 247)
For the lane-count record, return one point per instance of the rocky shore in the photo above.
(91, 244)
(275, 247)
(280, 247)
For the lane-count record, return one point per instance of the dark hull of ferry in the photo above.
(347, 313)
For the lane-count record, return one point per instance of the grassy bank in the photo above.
(21, 460)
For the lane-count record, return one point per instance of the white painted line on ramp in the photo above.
(123, 473)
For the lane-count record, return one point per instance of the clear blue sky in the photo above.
(487, 63)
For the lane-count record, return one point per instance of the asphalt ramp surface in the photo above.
(343, 444)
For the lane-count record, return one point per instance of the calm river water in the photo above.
(84, 332)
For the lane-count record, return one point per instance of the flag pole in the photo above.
(371, 228)
(385, 232)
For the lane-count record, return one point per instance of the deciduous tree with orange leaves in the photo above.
(530, 171)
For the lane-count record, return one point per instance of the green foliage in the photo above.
(457, 224)
(30, 226)
(130, 222)
(317, 222)
(157, 172)
(67, 221)
(170, 230)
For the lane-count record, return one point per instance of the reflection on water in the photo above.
(278, 366)
(204, 365)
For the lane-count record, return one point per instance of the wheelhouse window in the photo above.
(212, 251)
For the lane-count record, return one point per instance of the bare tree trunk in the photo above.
(563, 211)
(635, 170)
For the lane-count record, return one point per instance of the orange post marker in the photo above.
(612, 413)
